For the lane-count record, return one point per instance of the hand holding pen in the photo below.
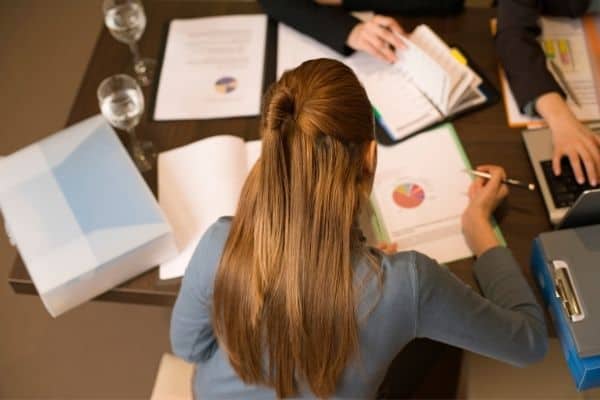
(484, 197)
(505, 180)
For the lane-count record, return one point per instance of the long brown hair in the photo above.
(284, 298)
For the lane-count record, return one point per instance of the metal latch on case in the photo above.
(566, 291)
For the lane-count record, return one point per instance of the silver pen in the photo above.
(508, 181)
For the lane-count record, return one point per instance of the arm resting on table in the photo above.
(506, 324)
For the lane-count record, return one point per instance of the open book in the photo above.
(418, 203)
(425, 86)
(197, 184)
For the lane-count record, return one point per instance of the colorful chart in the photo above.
(408, 195)
(225, 85)
(559, 50)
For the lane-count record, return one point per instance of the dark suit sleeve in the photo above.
(407, 7)
(329, 25)
(519, 51)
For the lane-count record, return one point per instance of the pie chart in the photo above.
(225, 85)
(408, 195)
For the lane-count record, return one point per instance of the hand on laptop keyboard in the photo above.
(564, 187)
(571, 139)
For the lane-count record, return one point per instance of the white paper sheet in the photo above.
(212, 68)
(460, 77)
(566, 39)
(293, 48)
(563, 40)
(425, 74)
(197, 184)
(402, 107)
(420, 192)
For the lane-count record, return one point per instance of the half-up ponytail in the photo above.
(285, 289)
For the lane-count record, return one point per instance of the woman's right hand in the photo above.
(379, 37)
(484, 197)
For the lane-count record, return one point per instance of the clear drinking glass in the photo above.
(122, 104)
(126, 21)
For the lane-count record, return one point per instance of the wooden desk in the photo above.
(484, 134)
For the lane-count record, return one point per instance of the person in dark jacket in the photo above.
(535, 89)
(330, 22)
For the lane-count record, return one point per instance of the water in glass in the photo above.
(123, 108)
(126, 22)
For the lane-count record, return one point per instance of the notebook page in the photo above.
(402, 107)
(253, 149)
(197, 184)
(419, 194)
(459, 76)
(425, 73)
(471, 97)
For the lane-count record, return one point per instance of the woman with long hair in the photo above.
(286, 299)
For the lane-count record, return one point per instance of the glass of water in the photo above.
(126, 21)
(122, 104)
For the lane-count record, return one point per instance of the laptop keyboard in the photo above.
(564, 188)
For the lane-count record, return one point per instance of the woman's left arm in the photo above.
(506, 324)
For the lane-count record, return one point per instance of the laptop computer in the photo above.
(568, 203)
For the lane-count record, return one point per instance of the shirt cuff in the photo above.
(529, 108)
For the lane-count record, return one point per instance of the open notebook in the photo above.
(425, 86)
(197, 184)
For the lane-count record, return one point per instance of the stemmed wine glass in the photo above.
(126, 21)
(122, 104)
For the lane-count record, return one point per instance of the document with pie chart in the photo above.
(419, 194)
(212, 68)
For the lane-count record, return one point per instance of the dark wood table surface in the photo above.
(484, 134)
